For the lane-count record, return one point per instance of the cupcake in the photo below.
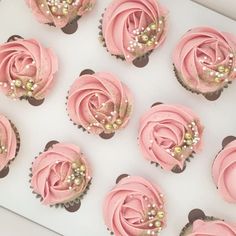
(224, 170)
(9, 144)
(132, 29)
(27, 69)
(60, 175)
(202, 225)
(62, 14)
(99, 103)
(205, 61)
(169, 135)
(134, 207)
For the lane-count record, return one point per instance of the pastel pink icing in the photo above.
(98, 100)
(199, 54)
(126, 207)
(224, 172)
(8, 140)
(123, 19)
(213, 228)
(50, 171)
(163, 128)
(41, 10)
(26, 61)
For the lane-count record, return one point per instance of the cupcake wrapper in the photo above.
(68, 205)
(209, 96)
(138, 62)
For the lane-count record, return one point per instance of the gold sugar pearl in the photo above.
(77, 181)
(226, 70)
(54, 9)
(108, 127)
(74, 165)
(177, 150)
(153, 26)
(189, 142)
(221, 69)
(69, 1)
(82, 168)
(158, 224)
(18, 83)
(160, 214)
(145, 38)
(188, 136)
(149, 43)
(29, 85)
(115, 126)
(119, 121)
(64, 11)
(153, 212)
(217, 80)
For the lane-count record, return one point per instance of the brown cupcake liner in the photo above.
(72, 205)
(103, 135)
(139, 62)
(5, 171)
(212, 96)
(194, 215)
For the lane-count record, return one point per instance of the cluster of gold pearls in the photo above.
(111, 127)
(3, 149)
(29, 86)
(155, 218)
(221, 73)
(191, 138)
(145, 37)
(77, 176)
(59, 8)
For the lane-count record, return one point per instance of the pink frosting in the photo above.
(60, 174)
(26, 69)
(8, 142)
(100, 103)
(133, 28)
(134, 207)
(213, 228)
(224, 172)
(168, 134)
(49, 13)
(205, 59)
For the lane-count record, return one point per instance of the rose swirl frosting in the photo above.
(134, 207)
(205, 59)
(59, 12)
(27, 69)
(224, 172)
(169, 134)
(133, 28)
(61, 174)
(100, 103)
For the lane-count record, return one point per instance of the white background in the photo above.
(110, 158)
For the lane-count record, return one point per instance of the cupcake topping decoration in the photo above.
(224, 170)
(169, 135)
(100, 103)
(132, 29)
(27, 69)
(60, 175)
(205, 60)
(60, 13)
(135, 207)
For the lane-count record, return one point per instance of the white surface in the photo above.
(21, 225)
(226, 7)
(110, 158)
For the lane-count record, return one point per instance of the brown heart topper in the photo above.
(70, 206)
(142, 61)
(32, 101)
(103, 135)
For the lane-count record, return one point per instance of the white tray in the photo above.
(110, 158)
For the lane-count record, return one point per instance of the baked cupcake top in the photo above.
(205, 59)
(8, 142)
(212, 228)
(60, 174)
(27, 69)
(59, 12)
(134, 207)
(169, 134)
(224, 172)
(100, 103)
(132, 28)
